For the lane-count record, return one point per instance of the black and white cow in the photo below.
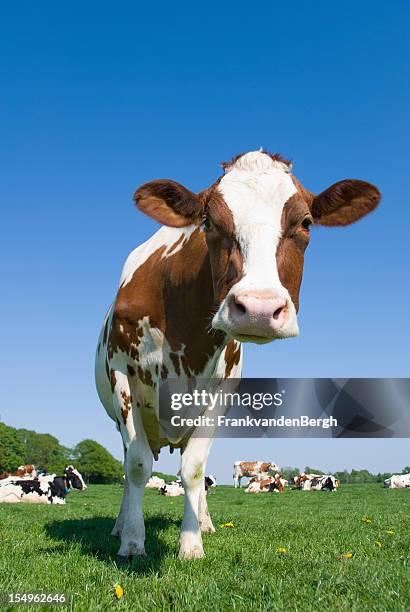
(322, 482)
(210, 482)
(398, 481)
(49, 489)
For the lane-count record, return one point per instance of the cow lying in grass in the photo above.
(271, 484)
(398, 481)
(21, 472)
(174, 489)
(316, 482)
(49, 489)
(155, 483)
(210, 483)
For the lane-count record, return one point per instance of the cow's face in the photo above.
(75, 478)
(256, 219)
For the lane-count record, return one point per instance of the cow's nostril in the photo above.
(240, 307)
(278, 312)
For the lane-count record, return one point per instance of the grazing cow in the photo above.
(21, 472)
(210, 483)
(155, 483)
(249, 469)
(398, 481)
(50, 489)
(172, 490)
(225, 269)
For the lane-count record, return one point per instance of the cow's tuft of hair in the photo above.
(257, 161)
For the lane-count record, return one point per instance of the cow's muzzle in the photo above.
(261, 317)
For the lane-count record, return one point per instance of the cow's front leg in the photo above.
(205, 521)
(192, 475)
(138, 470)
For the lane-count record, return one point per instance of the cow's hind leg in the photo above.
(192, 475)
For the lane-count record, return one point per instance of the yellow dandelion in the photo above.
(378, 543)
(230, 524)
(282, 549)
(346, 555)
(391, 532)
(366, 519)
(119, 591)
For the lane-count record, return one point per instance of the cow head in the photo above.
(74, 478)
(256, 219)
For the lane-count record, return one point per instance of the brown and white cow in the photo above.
(225, 269)
(22, 471)
(271, 484)
(252, 469)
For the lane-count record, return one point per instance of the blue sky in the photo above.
(96, 100)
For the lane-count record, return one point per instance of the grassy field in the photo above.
(285, 552)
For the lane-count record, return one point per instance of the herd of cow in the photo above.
(265, 478)
(29, 486)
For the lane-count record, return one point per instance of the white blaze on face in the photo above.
(255, 189)
(72, 469)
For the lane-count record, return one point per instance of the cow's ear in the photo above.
(169, 203)
(344, 202)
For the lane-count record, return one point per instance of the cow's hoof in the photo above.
(190, 547)
(207, 527)
(132, 549)
(195, 552)
(123, 560)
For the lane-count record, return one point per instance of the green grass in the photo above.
(68, 549)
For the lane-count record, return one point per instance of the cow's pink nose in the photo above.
(258, 314)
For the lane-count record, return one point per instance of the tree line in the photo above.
(23, 446)
(98, 466)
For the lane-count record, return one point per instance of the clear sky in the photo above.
(96, 99)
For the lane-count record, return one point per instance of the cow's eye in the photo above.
(206, 225)
(306, 223)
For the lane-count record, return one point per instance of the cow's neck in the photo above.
(189, 306)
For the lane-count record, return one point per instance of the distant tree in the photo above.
(406, 470)
(96, 464)
(310, 470)
(361, 476)
(289, 472)
(166, 477)
(44, 451)
(344, 476)
(381, 477)
(11, 449)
